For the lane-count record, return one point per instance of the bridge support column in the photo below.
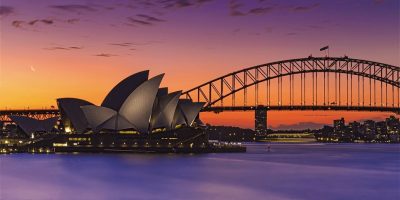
(261, 121)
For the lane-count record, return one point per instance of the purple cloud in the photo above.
(6, 10)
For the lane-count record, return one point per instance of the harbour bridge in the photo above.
(311, 83)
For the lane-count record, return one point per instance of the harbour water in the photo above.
(286, 171)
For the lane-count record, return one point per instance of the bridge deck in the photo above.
(30, 111)
(304, 107)
(238, 108)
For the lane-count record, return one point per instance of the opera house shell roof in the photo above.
(31, 125)
(136, 103)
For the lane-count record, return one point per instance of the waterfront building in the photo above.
(353, 129)
(369, 127)
(393, 128)
(368, 131)
(393, 125)
(339, 125)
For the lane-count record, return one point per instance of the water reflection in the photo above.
(288, 171)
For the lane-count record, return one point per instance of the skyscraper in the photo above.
(261, 121)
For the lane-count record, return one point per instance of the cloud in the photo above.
(140, 22)
(144, 20)
(203, 1)
(233, 4)
(124, 44)
(177, 3)
(105, 55)
(237, 13)
(6, 10)
(77, 8)
(72, 21)
(239, 9)
(150, 18)
(63, 48)
(47, 21)
(305, 8)
(21, 23)
(183, 3)
(132, 45)
(33, 22)
(56, 48)
(234, 7)
(261, 10)
(17, 23)
(75, 48)
(44, 21)
(146, 3)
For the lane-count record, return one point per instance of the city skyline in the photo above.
(53, 47)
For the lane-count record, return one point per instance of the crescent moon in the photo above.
(33, 69)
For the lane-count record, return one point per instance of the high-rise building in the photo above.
(339, 125)
(393, 128)
(381, 129)
(369, 127)
(354, 128)
(261, 121)
(393, 125)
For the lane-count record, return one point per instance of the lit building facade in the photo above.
(261, 121)
(368, 131)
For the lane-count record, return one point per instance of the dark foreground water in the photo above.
(300, 171)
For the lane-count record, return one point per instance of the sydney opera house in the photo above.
(135, 113)
(136, 104)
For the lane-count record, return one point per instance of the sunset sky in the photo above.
(59, 48)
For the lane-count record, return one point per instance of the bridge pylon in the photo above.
(260, 120)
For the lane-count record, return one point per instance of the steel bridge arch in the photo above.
(384, 73)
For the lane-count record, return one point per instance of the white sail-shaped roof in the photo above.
(31, 125)
(97, 115)
(116, 97)
(105, 118)
(71, 109)
(137, 108)
(186, 112)
(163, 114)
(161, 92)
(179, 118)
(191, 110)
(135, 111)
(117, 122)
